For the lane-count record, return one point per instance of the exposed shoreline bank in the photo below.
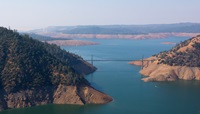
(118, 36)
(163, 72)
(72, 42)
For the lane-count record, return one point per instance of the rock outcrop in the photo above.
(163, 72)
(83, 94)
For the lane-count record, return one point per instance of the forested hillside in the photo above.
(26, 63)
(186, 53)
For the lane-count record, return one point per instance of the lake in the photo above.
(123, 82)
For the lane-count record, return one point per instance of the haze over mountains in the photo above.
(121, 31)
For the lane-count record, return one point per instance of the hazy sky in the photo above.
(25, 14)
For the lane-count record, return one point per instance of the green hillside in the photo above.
(26, 63)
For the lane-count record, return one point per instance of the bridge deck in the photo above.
(115, 60)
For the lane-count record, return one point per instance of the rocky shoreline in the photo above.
(118, 36)
(163, 72)
(72, 42)
(61, 94)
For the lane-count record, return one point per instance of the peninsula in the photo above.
(34, 73)
(181, 62)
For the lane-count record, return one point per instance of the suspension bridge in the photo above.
(92, 60)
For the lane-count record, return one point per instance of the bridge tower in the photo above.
(142, 62)
(92, 59)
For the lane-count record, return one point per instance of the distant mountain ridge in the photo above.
(44, 38)
(123, 29)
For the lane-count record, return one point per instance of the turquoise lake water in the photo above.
(123, 82)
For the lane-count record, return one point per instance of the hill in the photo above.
(34, 73)
(186, 53)
(181, 62)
